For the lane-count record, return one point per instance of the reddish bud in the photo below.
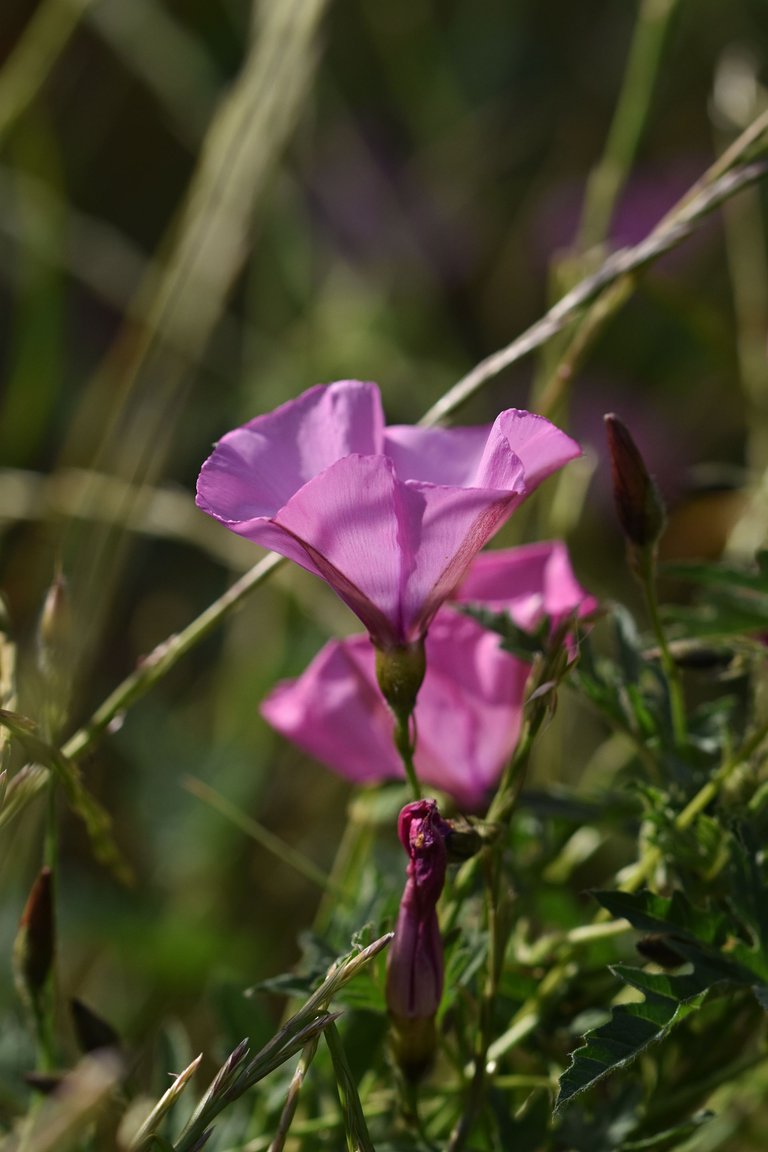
(639, 505)
(34, 945)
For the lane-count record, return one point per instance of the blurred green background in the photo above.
(380, 191)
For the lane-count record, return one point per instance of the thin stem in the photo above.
(492, 859)
(405, 745)
(527, 1018)
(166, 655)
(703, 798)
(266, 839)
(292, 1099)
(646, 574)
(610, 174)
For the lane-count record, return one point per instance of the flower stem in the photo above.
(646, 574)
(405, 745)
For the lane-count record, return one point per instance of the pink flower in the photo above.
(530, 583)
(415, 962)
(469, 709)
(390, 517)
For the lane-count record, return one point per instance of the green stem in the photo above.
(609, 176)
(646, 574)
(162, 658)
(266, 839)
(695, 806)
(405, 745)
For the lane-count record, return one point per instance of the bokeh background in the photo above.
(381, 191)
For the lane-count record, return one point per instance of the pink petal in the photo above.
(348, 520)
(528, 582)
(468, 712)
(256, 469)
(446, 528)
(540, 447)
(448, 456)
(335, 712)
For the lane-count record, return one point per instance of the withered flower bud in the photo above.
(415, 963)
(35, 940)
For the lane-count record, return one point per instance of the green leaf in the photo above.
(670, 1137)
(631, 1029)
(651, 913)
(525, 645)
(719, 575)
(669, 996)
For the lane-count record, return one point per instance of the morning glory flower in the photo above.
(469, 709)
(390, 517)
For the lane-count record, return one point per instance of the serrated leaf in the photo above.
(651, 913)
(669, 996)
(631, 1029)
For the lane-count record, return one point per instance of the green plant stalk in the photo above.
(645, 570)
(405, 745)
(355, 1127)
(34, 57)
(695, 806)
(611, 172)
(237, 1076)
(166, 655)
(604, 186)
(292, 1099)
(266, 839)
(492, 859)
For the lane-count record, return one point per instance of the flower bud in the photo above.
(55, 630)
(415, 963)
(639, 505)
(34, 945)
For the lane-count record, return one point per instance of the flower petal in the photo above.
(335, 712)
(348, 520)
(539, 445)
(528, 582)
(468, 712)
(443, 529)
(447, 456)
(254, 470)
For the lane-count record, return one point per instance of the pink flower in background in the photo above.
(531, 582)
(469, 709)
(390, 517)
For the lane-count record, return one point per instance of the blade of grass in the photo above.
(266, 839)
